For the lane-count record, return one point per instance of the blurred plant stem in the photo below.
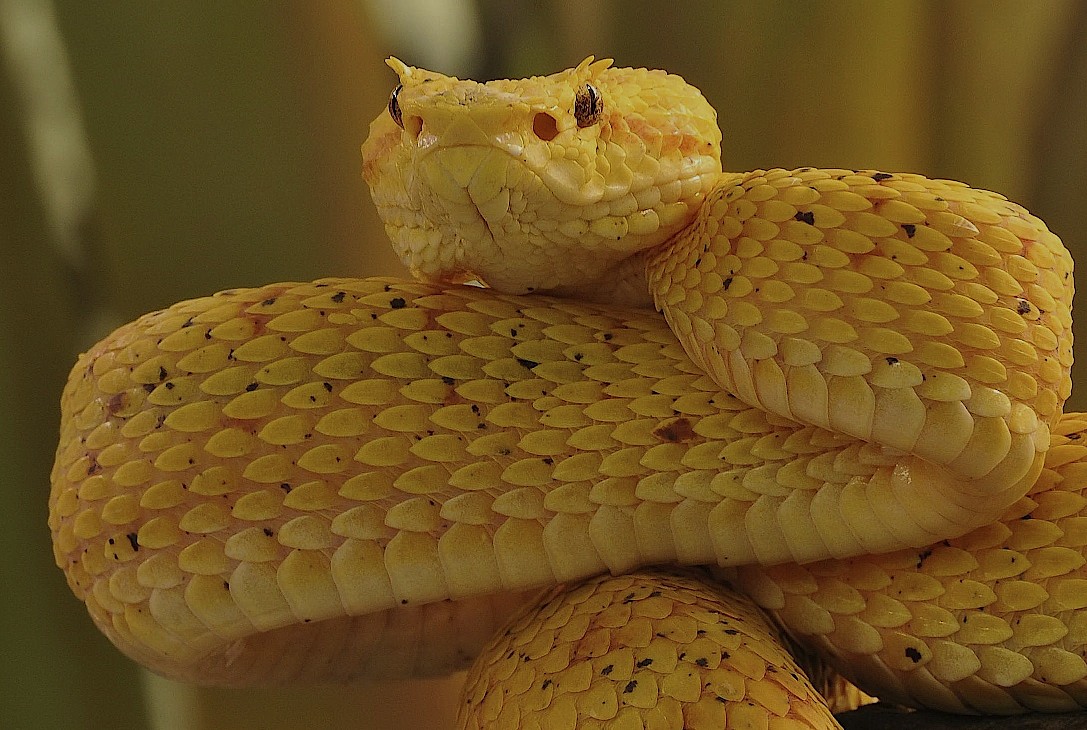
(57, 676)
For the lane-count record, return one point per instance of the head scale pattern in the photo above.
(541, 183)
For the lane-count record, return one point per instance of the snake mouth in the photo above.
(469, 223)
(476, 178)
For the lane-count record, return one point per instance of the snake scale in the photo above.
(844, 436)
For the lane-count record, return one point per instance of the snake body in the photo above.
(852, 406)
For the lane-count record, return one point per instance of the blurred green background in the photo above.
(151, 152)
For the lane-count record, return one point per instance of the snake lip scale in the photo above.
(707, 444)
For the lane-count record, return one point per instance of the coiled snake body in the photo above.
(853, 411)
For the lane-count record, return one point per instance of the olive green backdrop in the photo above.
(222, 143)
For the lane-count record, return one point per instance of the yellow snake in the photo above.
(851, 407)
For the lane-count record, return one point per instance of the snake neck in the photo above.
(626, 283)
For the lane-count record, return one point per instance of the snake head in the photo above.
(541, 184)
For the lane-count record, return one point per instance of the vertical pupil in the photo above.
(587, 105)
(592, 98)
(394, 106)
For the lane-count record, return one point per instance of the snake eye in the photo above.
(588, 106)
(394, 107)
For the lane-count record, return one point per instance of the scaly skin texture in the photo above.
(247, 525)
(658, 650)
(455, 443)
(859, 372)
(991, 622)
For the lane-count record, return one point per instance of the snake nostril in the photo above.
(545, 127)
(413, 125)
